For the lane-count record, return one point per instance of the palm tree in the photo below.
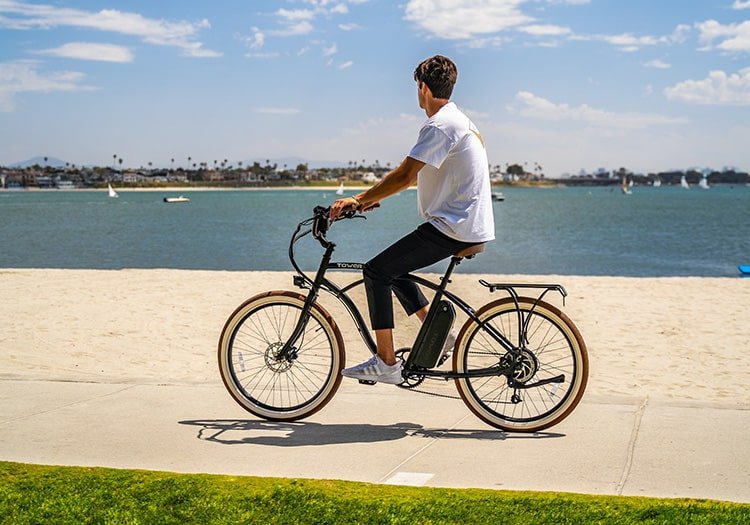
(114, 159)
(172, 163)
(120, 162)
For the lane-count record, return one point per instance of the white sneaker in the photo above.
(447, 352)
(374, 369)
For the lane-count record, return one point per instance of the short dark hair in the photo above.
(439, 73)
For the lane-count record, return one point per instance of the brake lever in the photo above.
(351, 214)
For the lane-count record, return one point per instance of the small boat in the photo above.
(176, 199)
(112, 193)
(744, 269)
(498, 196)
(684, 183)
(704, 183)
(625, 187)
(657, 183)
(340, 191)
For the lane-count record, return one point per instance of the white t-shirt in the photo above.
(453, 187)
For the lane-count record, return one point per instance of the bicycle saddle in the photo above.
(470, 252)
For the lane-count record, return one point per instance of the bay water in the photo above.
(663, 231)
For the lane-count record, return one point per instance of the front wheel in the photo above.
(271, 386)
(553, 348)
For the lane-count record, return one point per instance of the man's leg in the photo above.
(419, 249)
(384, 339)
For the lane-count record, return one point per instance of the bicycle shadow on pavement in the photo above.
(298, 434)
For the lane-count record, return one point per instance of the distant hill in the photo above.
(51, 161)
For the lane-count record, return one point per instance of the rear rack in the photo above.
(523, 324)
(511, 289)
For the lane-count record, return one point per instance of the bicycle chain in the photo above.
(426, 392)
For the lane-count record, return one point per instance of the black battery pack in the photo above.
(431, 337)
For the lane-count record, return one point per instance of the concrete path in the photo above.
(382, 434)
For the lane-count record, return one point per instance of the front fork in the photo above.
(289, 351)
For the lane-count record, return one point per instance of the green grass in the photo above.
(45, 494)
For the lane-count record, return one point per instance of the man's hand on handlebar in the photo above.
(349, 204)
(342, 205)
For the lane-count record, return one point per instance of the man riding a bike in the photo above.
(449, 165)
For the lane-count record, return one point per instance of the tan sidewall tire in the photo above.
(337, 355)
(580, 355)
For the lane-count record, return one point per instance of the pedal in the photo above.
(366, 382)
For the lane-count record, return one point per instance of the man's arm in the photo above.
(395, 181)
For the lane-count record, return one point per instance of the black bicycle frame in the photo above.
(320, 282)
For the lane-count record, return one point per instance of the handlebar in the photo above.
(321, 222)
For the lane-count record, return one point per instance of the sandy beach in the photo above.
(664, 338)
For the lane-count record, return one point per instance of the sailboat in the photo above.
(657, 183)
(704, 183)
(340, 191)
(112, 193)
(684, 183)
(625, 187)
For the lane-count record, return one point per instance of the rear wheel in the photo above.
(554, 348)
(268, 385)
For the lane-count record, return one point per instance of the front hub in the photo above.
(273, 358)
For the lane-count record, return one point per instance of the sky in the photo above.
(570, 85)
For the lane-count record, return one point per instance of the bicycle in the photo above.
(518, 363)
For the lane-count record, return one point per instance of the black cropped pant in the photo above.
(424, 246)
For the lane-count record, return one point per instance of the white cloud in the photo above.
(91, 51)
(540, 108)
(300, 28)
(718, 89)
(732, 37)
(257, 40)
(657, 64)
(300, 22)
(480, 22)
(262, 55)
(739, 4)
(339, 9)
(346, 65)
(464, 19)
(628, 42)
(159, 32)
(24, 76)
(545, 30)
(277, 111)
(349, 26)
(296, 14)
